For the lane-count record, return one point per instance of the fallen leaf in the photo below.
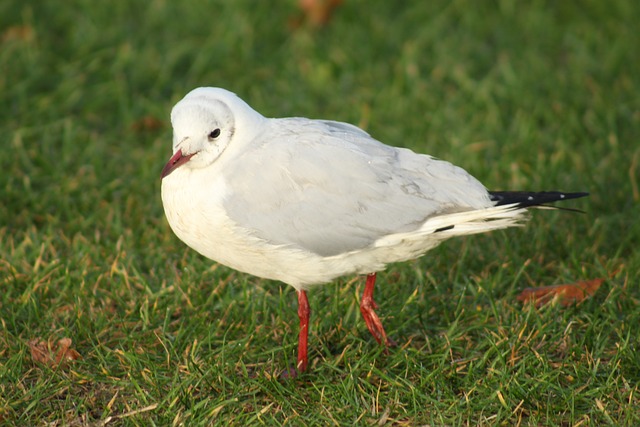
(316, 12)
(18, 32)
(52, 354)
(147, 123)
(566, 294)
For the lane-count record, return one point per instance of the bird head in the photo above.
(205, 122)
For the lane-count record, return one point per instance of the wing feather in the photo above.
(328, 187)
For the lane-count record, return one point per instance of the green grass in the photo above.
(533, 95)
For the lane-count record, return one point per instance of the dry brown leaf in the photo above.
(567, 294)
(317, 12)
(52, 354)
(147, 123)
(18, 32)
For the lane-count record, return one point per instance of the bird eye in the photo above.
(214, 134)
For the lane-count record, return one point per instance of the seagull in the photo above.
(305, 201)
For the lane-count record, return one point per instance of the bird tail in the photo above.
(509, 211)
(528, 199)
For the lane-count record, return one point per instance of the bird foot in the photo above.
(374, 324)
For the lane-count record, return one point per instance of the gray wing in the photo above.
(328, 187)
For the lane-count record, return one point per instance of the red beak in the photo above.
(175, 162)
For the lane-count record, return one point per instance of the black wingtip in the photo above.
(526, 199)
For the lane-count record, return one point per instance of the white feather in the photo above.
(305, 201)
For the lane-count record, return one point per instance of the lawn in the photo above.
(537, 95)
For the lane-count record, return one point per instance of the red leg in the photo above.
(303, 314)
(303, 337)
(367, 308)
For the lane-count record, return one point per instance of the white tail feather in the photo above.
(445, 226)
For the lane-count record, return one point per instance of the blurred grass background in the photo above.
(524, 95)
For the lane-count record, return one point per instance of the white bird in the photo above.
(306, 201)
